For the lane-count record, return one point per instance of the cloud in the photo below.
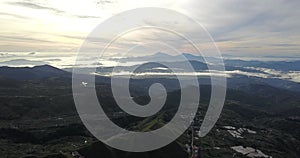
(53, 60)
(56, 11)
(238, 27)
(37, 6)
(14, 15)
(29, 43)
(285, 75)
(32, 53)
(290, 76)
(250, 27)
(6, 55)
(103, 2)
(87, 16)
(21, 38)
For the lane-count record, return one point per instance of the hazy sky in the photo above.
(238, 27)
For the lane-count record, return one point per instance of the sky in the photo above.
(269, 27)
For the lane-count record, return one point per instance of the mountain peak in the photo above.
(188, 54)
(161, 54)
(46, 66)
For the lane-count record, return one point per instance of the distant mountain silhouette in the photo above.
(9, 74)
(164, 57)
(34, 73)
